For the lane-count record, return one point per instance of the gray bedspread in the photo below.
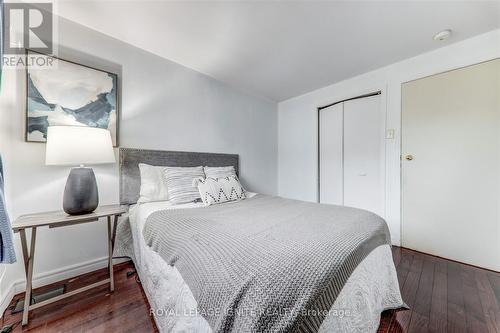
(265, 264)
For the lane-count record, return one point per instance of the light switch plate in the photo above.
(390, 133)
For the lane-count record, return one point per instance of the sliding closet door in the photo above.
(364, 154)
(451, 165)
(330, 155)
(352, 154)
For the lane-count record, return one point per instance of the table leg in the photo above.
(29, 273)
(22, 234)
(110, 256)
(115, 223)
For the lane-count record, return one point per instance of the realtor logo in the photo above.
(28, 26)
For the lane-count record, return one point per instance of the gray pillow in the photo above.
(180, 183)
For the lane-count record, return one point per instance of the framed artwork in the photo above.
(70, 94)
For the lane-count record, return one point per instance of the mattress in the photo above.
(371, 288)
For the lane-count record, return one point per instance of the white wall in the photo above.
(297, 118)
(163, 106)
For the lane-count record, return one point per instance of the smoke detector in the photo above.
(442, 35)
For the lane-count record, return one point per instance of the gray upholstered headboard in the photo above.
(130, 179)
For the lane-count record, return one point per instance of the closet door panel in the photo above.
(330, 154)
(364, 154)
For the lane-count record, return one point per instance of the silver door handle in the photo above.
(409, 157)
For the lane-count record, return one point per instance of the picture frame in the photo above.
(70, 94)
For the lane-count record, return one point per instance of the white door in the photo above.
(352, 154)
(451, 187)
(364, 154)
(331, 122)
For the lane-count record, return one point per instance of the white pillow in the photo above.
(153, 183)
(180, 183)
(219, 172)
(218, 190)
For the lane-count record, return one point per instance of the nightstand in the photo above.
(56, 220)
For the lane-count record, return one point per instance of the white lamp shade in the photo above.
(74, 145)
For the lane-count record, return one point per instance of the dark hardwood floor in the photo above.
(97, 310)
(444, 296)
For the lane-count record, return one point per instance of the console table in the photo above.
(59, 219)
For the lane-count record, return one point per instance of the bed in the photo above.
(182, 283)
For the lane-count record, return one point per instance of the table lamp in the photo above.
(79, 146)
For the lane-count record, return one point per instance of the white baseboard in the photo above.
(56, 275)
(9, 295)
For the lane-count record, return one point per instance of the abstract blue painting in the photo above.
(70, 94)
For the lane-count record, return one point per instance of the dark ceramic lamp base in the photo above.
(80, 193)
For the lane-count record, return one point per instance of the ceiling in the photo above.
(282, 49)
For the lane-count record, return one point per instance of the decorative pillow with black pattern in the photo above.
(218, 190)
